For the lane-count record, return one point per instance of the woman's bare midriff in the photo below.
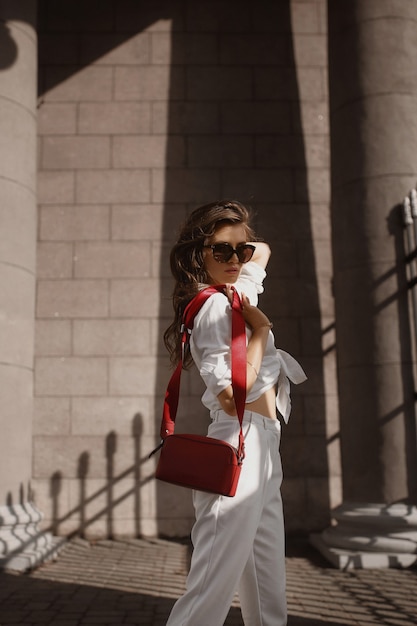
(264, 405)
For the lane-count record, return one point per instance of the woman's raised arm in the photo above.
(261, 254)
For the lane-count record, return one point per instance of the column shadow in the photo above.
(235, 102)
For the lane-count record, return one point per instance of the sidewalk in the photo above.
(135, 583)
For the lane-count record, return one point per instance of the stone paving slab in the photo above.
(135, 583)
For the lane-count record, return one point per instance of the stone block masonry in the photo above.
(145, 111)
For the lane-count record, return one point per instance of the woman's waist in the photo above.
(264, 404)
(262, 401)
(252, 417)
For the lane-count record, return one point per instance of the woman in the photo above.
(239, 541)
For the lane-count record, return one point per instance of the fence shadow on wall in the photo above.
(91, 506)
(107, 492)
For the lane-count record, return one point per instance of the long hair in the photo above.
(187, 261)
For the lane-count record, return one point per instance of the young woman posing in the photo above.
(238, 542)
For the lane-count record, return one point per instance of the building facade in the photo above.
(119, 117)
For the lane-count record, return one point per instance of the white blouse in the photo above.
(210, 348)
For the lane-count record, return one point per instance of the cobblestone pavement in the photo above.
(135, 582)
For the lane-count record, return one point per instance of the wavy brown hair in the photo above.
(187, 261)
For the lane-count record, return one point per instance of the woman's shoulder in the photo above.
(215, 308)
(212, 324)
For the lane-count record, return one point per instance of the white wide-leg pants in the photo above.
(239, 542)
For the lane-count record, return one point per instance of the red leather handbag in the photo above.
(196, 461)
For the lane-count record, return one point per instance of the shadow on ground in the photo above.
(25, 600)
(136, 582)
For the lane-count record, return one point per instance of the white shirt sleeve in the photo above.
(250, 281)
(210, 343)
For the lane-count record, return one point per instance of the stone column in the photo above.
(373, 101)
(20, 542)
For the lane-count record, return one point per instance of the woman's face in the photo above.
(229, 272)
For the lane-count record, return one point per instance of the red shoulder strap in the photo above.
(239, 358)
(238, 352)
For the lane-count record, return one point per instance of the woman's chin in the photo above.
(231, 277)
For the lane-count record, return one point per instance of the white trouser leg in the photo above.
(228, 539)
(262, 586)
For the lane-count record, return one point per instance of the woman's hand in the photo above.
(253, 316)
(260, 325)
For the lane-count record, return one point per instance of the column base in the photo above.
(370, 536)
(22, 545)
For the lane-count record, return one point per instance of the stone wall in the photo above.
(147, 110)
(17, 247)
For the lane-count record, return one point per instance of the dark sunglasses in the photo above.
(223, 252)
